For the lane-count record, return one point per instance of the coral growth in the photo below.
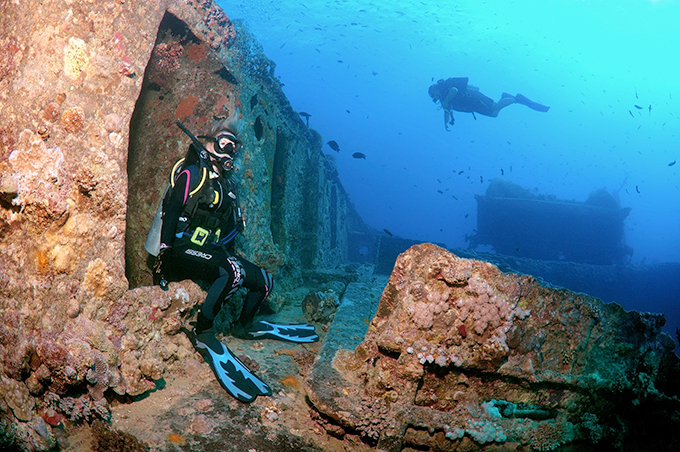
(165, 57)
(549, 435)
(73, 120)
(17, 396)
(100, 282)
(107, 439)
(51, 112)
(372, 417)
(75, 58)
(38, 174)
(320, 306)
(8, 48)
(78, 409)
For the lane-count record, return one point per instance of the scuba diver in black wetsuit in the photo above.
(200, 218)
(456, 94)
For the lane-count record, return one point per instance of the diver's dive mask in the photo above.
(226, 146)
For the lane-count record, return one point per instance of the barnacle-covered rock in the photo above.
(320, 306)
(17, 397)
(463, 352)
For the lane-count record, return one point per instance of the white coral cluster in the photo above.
(484, 431)
(472, 321)
(423, 303)
(481, 430)
(488, 309)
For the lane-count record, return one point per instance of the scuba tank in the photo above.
(153, 238)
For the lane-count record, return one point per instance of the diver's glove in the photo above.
(164, 256)
(296, 332)
(232, 374)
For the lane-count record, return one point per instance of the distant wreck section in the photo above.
(519, 223)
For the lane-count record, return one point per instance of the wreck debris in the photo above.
(494, 358)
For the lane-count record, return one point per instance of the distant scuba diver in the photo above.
(455, 94)
(199, 218)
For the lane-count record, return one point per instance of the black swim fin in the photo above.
(297, 332)
(520, 99)
(232, 374)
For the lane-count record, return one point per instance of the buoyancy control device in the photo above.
(153, 238)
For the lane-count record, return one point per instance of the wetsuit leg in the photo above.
(479, 103)
(231, 279)
(260, 284)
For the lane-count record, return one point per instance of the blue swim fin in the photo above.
(297, 332)
(232, 374)
(530, 103)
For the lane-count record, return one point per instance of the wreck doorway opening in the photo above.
(184, 81)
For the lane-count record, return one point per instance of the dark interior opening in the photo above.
(259, 128)
(183, 81)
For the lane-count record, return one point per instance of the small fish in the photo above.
(305, 115)
(359, 155)
(631, 113)
(672, 163)
(374, 73)
(441, 192)
(650, 109)
(637, 189)
(481, 179)
(347, 111)
(388, 233)
(460, 172)
(502, 172)
(454, 197)
(466, 215)
(334, 145)
(638, 107)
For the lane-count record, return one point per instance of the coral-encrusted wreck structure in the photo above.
(89, 96)
(460, 356)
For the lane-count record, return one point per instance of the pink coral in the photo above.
(166, 56)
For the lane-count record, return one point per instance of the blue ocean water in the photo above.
(608, 69)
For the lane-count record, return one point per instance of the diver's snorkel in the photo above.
(200, 148)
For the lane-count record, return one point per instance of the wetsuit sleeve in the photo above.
(174, 202)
